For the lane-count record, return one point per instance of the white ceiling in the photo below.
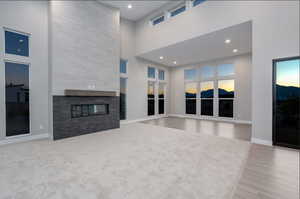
(207, 47)
(139, 9)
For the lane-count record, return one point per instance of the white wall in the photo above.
(242, 77)
(85, 43)
(137, 73)
(29, 17)
(275, 34)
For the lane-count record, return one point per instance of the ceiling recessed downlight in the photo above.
(161, 57)
(174, 62)
(227, 41)
(235, 50)
(129, 6)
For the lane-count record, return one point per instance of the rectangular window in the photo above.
(190, 95)
(207, 72)
(123, 94)
(161, 74)
(226, 97)
(158, 20)
(207, 95)
(17, 98)
(151, 98)
(197, 2)
(161, 98)
(123, 66)
(151, 72)
(16, 43)
(190, 74)
(225, 70)
(178, 10)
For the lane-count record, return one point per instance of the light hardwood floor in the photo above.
(269, 173)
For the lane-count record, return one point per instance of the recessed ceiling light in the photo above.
(235, 50)
(174, 62)
(161, 57)
(129, 6)
(227, 41)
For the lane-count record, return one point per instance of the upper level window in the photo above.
(158, 20)
(197, 2)
(190, 74)
(151, 72)
(207, 72)
(16, 43)
(225, 70)
(123, 66)
(178, 10)
(161, 74)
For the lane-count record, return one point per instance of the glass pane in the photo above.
(226, 88)
(151, 72)
(190, 74)
(287, 104)
(197, 2)
(151, 106)
(123, 66)
(207, 107)
(207, 89)
(161, 75)
(158, 20)
(191, 90)
(123, 85)
(151, 90)
(178, 11)
(226, 108)
(16, 43)
(161, 106)
(225, 70)
(161, 90)
(190, 106)
(207, 72)
(17, 98)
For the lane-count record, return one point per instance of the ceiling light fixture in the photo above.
(161, 57)
(175, 62)
(227, 41)
(235, 50)
(129, 6)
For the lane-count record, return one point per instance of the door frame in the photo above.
(275, 142)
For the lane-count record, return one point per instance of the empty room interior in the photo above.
(194, 99)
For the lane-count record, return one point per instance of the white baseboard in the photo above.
(143, 119)
(261, 142)
(23, 139)
(212, 118)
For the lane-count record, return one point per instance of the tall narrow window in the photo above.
(190, 98)
(161, 98)
(123, 94)
(207, 98)
(161, 74)
(151, 98)
(17, 98)
(151, 73)
(123, 66)
(226, 97)
(16, 43)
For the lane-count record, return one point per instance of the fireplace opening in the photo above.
(87, 110)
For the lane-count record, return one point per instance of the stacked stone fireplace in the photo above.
(81, 112)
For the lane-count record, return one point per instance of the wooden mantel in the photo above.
(89, 93)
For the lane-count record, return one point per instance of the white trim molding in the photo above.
(19, 139)
(142, 119)
(220, 119)
(261, 142)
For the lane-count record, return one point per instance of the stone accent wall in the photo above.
(65, 126)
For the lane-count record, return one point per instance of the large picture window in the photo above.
(161, 98)
(226, 97)
(207, 98)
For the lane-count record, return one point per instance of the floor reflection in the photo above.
(223, 129)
